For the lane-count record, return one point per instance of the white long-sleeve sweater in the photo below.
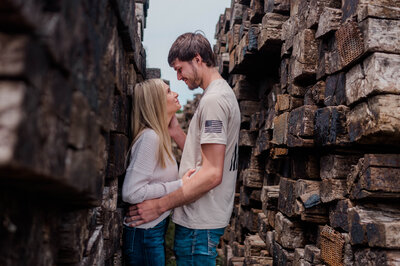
(145, 178)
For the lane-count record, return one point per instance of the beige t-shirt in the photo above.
(217, 121)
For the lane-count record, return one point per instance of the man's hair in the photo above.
(188, 45)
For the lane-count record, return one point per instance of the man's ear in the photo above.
(198, 58)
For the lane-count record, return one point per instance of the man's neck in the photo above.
(209, 75)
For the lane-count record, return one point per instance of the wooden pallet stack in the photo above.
(67, 70)
(318, 84)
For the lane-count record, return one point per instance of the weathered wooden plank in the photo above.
(377, 74)
(280, 129)
(315, 95)
(308, 192)
(271, 31)
(388, 9)
(285, 102)
(304, 166)
(333, 189)
(303, 62)
(338, 214)
(296, 91)
(252, 178)
(372, 178)
(316, 10)
(247, 108)
(289, 29)
(287, 201)
(289, 234)
(329, 21)
(257, 11)
(376, 257)
(301, 126)
(253, 245)
(282, 256)
(259, 260)
(376, 226)
(312, 254)
(247, 195)
(277, 6)
(245, 90)
(269, 197)
(333, 166)
(382, 125)
(335, 89)
(331, 126)
(247, 138)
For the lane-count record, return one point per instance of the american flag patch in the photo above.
(213, 126)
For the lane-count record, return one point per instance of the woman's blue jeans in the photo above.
(145, 246)
(196, 246)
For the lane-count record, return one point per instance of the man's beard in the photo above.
(193, 85)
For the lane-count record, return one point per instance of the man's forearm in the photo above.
(193, 189)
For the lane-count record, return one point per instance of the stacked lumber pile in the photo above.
(67, 70)
(318, 84)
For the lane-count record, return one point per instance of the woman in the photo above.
(152, 171)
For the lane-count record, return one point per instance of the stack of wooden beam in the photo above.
(67, 71)
(318, 84)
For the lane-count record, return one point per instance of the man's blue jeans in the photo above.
(196, 246)
(145, 246)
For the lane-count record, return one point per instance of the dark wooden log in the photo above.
(252, 178)
(233, 37)
(271, 30)
(304, 166)
(376, 257)
(287, 202)
(244, 90)
(375, 225)
(376, 9)
(237, 14)
(247, 108)
(247, 138)
(308, 192)
(286, 103)
(269, 197)
(333, 189)
(303, 62)
(382, 125)
(264, 226)
(282, 256)
(277, 6)
(289, 234)
(315, 95)
(301, 126)
(376, 176)
(289, 29)
(338, 214)
(329, 21)
(335, 90)
(316, 11)
(333, 166)
(238, 249)
(284, 72)
(377, 74)
(248, 195)
(259, 260)
(253, 245)
(330, 126)
(257, 11)
(312, 254)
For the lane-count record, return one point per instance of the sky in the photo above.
(166, 20)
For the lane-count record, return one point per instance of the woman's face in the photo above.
(172, 101)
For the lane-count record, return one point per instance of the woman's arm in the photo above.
(137, 187)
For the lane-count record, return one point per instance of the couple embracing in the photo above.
(201, 195)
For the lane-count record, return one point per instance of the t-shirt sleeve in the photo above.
(213, 120)
(138, 184)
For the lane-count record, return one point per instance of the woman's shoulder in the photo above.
(150, 135)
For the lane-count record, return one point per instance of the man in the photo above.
(203, 205)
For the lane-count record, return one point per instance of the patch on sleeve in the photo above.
(213, 126)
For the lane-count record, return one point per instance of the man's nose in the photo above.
(179, 76)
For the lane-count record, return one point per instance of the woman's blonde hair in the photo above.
(150, 111)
